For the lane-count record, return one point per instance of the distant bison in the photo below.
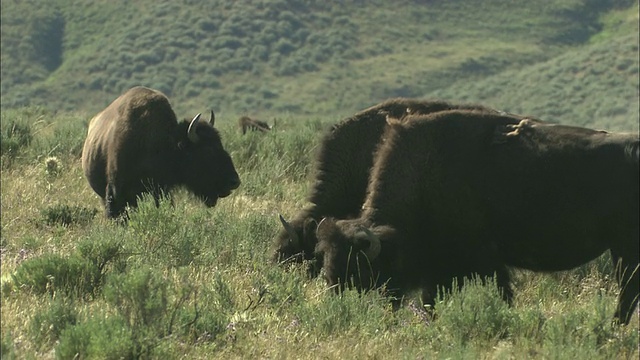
(136, 146)
(456, 193)
(342, 172)
(246, 123)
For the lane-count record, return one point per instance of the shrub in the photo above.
(475, 313)
(7, 350)
(102, 253)
(66, 215)
(80, 274)
(52, 273)
(201, 312)
(161, 236)
(15, 136)
(139, 296)
(99, 338)
(351, 311)
(47, 325)
(68, 138)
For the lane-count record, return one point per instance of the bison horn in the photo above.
(320, 223)
(191, 132)
(373, 250)
(292, 233)
(212, 119)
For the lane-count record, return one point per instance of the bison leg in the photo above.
(396, 297)
(627, 278)
(503, 281)
(116, 201)
(159, 194)
(114, 205)
(428, 296)
(487, 264)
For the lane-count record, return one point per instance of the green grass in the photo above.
(184, 281)
(618, 22)
(187, 281)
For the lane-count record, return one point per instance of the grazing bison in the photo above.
(136, 145)
(342, 172)
(246, 123)
(458, 193)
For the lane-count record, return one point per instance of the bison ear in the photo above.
(293, 236)
(212, 119)
(370, 243)
(309, 230)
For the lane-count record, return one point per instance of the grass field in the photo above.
(187, 282)
(191, 282)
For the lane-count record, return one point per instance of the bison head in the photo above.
(352, 252)
(205, 166)
(296, 242)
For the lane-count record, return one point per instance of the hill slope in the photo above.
(587, 87)
(275, 56)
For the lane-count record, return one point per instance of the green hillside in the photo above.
(586, 87)
(282, 56)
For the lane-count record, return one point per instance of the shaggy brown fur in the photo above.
(342, 172)
(136, 146)
(453, 194)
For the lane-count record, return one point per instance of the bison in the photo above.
(246, 123)
(342, 172)
(136, 145)
(456, 194)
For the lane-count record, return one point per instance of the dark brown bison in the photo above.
(456, 193)
(136, 146)
(246, 123)
(342, 172)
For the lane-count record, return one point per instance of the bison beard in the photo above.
(136, 146)
(457, 193)
(342, 172)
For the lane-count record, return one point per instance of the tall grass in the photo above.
(182, 280)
